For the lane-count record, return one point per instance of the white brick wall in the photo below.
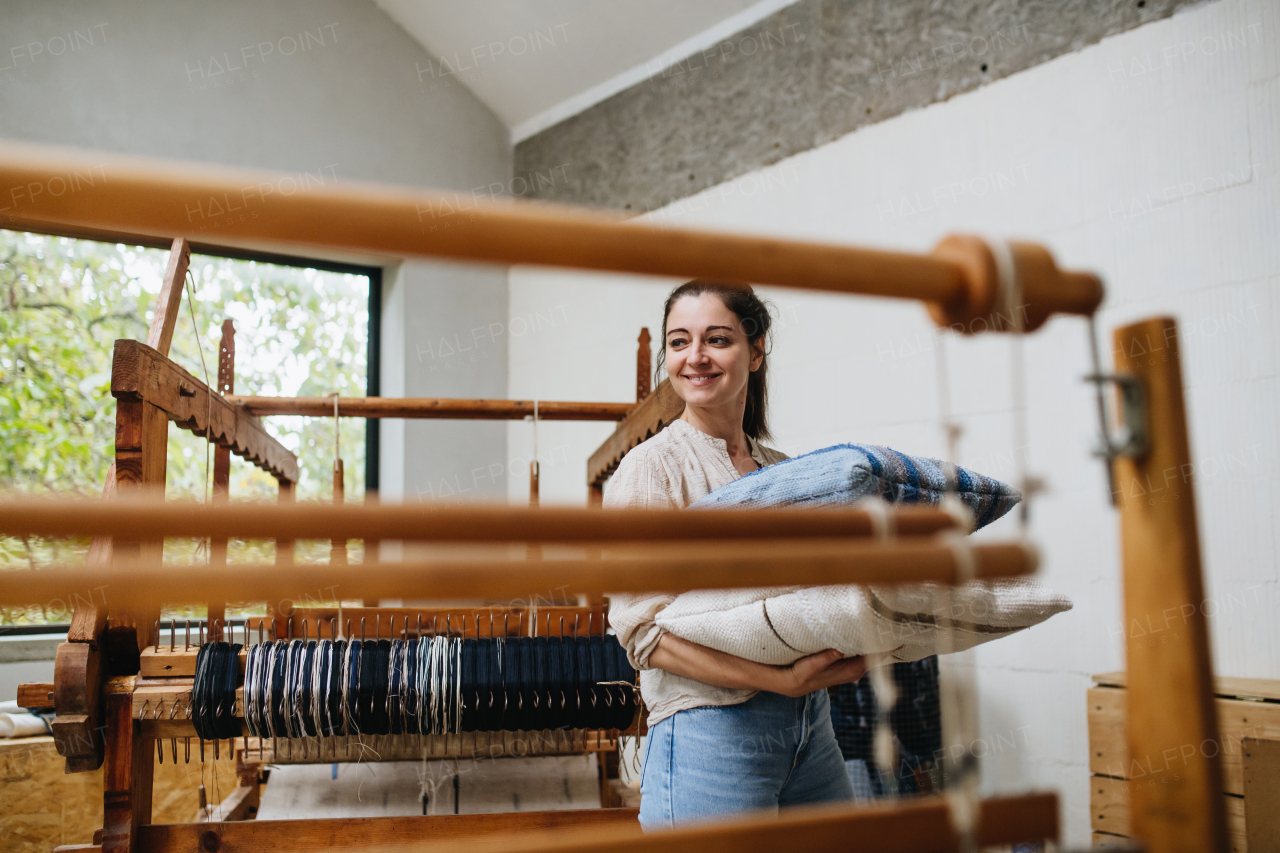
(1152, 158)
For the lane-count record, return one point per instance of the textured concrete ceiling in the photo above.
(535, 63)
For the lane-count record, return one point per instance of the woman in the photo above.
(725, 734)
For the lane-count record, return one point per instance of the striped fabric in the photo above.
(848, 473)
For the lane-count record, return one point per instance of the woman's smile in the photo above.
(701, 379)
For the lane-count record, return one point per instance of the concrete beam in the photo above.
(808, 74)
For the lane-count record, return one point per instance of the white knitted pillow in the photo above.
(777, 625)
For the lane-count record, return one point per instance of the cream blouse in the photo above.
(671, 470)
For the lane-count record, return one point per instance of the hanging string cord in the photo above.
(1010, 307)
(958, 691)
(883, 686)
(536, 467)
(959, 696)
(208, 433)
(951, 429)
(337, 434)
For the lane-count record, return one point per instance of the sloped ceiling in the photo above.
(535, 62)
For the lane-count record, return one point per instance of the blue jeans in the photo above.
(768, 752)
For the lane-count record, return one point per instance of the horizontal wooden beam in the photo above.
(907, 826)
(121, 193)
(431, 407)
(1226, 686)
(36, 695)
(139, 372)
(142, 518)
(669, 567)
(654, 413)
(365, 833)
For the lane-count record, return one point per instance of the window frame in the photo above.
(373, 356)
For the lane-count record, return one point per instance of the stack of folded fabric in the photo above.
(777, 625)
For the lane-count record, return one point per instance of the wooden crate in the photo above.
(1246, 708)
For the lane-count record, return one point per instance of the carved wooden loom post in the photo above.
(222, 468)
(142, 440)
(276, 611)
(1172, 721)
(644, 372)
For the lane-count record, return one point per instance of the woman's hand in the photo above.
(818, 672)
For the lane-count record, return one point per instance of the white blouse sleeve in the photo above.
(639, 483)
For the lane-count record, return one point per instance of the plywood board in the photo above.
(41, 807)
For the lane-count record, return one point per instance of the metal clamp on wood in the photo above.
(1131, 437)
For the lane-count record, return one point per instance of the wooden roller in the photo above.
(431, 407)
(145, 518)
(669, 568)
(56, 189)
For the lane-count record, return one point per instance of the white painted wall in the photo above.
(329, 87)
(1152, 158)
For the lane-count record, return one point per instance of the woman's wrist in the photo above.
(768, 678)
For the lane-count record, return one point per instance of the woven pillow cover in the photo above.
(777, 625)
(847, 473)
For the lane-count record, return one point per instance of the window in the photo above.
(301, 329)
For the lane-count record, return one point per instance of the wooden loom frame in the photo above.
(1161, 553)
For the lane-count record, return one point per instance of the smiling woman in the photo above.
(707, 328)
(750, 735)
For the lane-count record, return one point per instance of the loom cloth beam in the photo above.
(431, 408)
(443, 522)
(674, 568)
(144, 196)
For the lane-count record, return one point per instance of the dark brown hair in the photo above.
(754, 316)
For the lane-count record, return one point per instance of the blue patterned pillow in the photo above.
(848, 473)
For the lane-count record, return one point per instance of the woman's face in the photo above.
(709, 358)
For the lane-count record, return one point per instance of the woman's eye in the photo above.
(719, 339)
(676, 343)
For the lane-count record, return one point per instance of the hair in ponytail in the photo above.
(753, 313)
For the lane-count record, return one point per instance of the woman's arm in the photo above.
(814, 672)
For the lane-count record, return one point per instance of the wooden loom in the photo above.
(153, 389)
(1169, 687)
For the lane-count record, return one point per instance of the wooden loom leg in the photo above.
(127, 775)
(608, 767)
(1171, 710)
